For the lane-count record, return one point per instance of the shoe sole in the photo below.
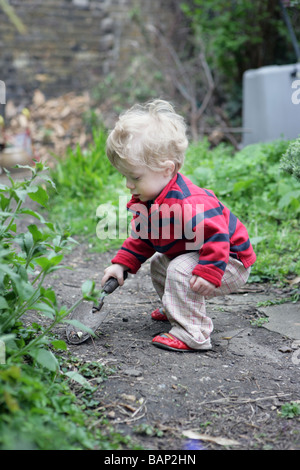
(169, 348)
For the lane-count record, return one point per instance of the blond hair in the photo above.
(148, 135)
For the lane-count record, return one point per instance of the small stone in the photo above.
(285, 349)
(132, 372)
(128, 397)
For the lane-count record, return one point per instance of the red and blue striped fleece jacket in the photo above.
(186, 218)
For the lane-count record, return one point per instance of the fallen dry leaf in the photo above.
(294, 281)
(128, 397)
(222, 441)
(53, 125)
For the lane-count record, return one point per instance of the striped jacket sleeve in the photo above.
(133, 253)
(209, 222)
(137, 248)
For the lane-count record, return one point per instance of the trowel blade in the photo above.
(88, 315)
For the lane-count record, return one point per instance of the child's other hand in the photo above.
(200, 285)
(115, 270)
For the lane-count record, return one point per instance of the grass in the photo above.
(250, 182)
(84, 180)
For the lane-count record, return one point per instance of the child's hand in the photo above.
(115, 270)
(200, 285)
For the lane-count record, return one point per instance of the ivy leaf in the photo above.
(49, 180)
(47, 310)
(34, 214)
(73, 375)
(48, 263)
(39, 195)
(36, 233)
(45, 358)
(80, 326)
(59, 344)
(87, 287)
(49, 294)
(3, 303)
(21, 194)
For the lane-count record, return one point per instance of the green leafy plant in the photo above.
(290, 410)
(39, 412)
(259, 322)
(46, 400)
(148, 430)
(290, 161)
(27, 257)
(235, 44)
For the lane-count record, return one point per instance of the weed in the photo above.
(292, 298)
(148, 430)
(290, 410)
(39, 412)
(27, 258)
(259, 322)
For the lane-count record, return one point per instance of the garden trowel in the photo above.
(89, 315)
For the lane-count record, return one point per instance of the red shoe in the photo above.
(170, 342)
(159, 315)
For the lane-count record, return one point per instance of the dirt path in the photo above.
(233, 392)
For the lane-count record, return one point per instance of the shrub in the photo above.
(38, 409)
(27, 258)
(290, 161)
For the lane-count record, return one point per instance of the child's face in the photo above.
(146, 184)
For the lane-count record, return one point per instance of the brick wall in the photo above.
(69, 44)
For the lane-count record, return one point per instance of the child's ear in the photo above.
(169, 168)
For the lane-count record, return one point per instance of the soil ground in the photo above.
(231, 395)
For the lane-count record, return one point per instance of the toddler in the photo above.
(198, 247)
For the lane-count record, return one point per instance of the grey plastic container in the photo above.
(271, 103)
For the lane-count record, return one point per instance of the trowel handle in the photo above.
(112, 283)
